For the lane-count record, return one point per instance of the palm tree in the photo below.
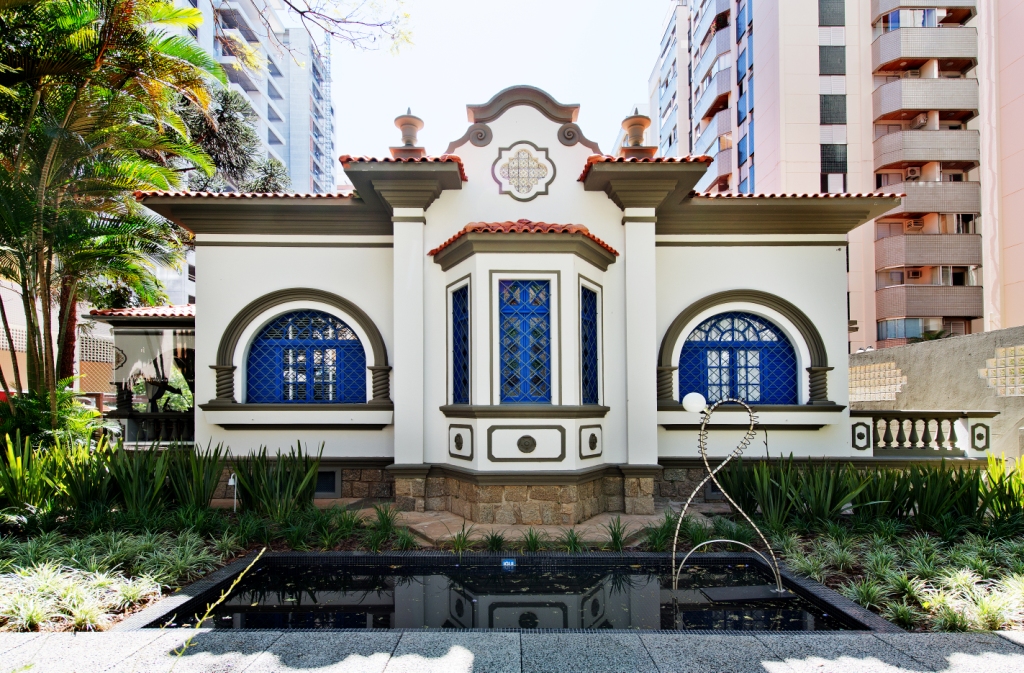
(96, 85)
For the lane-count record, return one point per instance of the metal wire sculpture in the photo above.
(702, 443)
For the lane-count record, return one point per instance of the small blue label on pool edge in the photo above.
(508, 564)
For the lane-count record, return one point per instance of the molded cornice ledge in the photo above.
(644, 184)
(401, 195)
(639, 194)
(573, 244)
(524, 411)
(232, 416)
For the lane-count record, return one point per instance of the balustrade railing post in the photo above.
(915, 439)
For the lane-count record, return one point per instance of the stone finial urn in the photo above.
(635, 125)
(409, 124)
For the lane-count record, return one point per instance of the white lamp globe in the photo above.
(694, 402)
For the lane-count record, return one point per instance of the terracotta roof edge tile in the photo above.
(522, 227)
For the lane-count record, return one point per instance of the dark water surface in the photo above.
(488, 596)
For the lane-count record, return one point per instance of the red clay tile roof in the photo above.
(608, 159)
(346, 159)
(522, 227)
(815, 195)
(179, 311)
(139, 195)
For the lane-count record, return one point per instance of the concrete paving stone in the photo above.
(607, 652)
(838, 653)
(686, 653)
(10, 641)
(959, 652)
(210, 652)
(76, 652)
(325, 652)
(1013, 636)
(456, 653)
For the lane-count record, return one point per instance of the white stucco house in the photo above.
(507, 329)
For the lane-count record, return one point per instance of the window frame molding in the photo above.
(554, 278)
(593, 286)
(459, 283)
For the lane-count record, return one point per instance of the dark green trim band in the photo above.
(524, 411)
(290, 244)
(219, 405)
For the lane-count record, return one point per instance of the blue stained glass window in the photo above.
(525, 319)
(588, 346)
(306, 357)
(739, 355)
(460, 345)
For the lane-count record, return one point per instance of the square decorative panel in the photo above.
(523, 171)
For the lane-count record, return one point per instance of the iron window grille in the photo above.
(589, 376)
(831, 60)
(833, 159)
(460, 345)
(525, 351)
(739, 355)
(306, 357)
(832, 109)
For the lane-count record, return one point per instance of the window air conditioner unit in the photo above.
(914, 74)
(915, 225)
(919, 121)
(914, 274)
(913, 173)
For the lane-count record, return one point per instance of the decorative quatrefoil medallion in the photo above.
(523, 171)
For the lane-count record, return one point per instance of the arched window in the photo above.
(739, 355)
(306, 357)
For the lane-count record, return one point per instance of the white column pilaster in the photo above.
(407, 358)
(641, 337)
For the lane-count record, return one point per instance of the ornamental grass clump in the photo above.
(277, 487)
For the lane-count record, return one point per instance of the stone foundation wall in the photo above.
(355, 483)
(678, 483)
(541, 504)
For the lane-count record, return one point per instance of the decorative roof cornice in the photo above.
(347, 160)
(608, 159)
(522, 95)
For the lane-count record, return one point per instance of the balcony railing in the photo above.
(880, 7)
(711, 11)
(936, 197)
(720, 44)
(720, 124)
(715, 96)
(916, 434)
(928, 301)
(917, 45)
(915, 147)
(913, 96)
(928, 250)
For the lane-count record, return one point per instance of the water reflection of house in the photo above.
(154, 371)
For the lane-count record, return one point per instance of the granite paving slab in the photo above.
(686, 653)
(76, 652)
(451, 652)
(1016, 637)
(838, 653)
(211, 652)
(9, 641)
(561, 652)
(959, 652)
(325, 652)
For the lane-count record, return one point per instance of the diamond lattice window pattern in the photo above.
(525, 319)
(589, 377)
(460, 345)
(739, 355)
(306, 357)
(523, 171)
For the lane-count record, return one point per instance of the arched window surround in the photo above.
(238, 335)
(777, 319)
(812, 356)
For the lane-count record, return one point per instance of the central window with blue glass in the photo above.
(525, 327)
(739, 355)
(306, 357)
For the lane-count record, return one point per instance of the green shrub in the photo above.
(617, 534)
(405, 540)
(277, 487)
(771, 485)
(460, 541)
(867, 593)
(659, 536)
(494, 541)
(1003, 489)
(195, 474)
(571, 541)
(885, 496)
(737, 479)
(824, 489)
(85, 479)
(27, 474)
(141, 477)
(533, 540)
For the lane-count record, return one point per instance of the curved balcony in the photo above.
(928, 250)
(720, 44)
(957, 11)
(910, 48)
(959, 149)
(716, 96)
(929, 301)
(936, 197)
(721, 167)
(720, 124)
(904, 99)
(712, 9)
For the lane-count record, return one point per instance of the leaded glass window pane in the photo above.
(588, 346)
(525, 346)
(306, 357)
(460, 346)
(739, 355)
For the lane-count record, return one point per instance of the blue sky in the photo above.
(598, 54)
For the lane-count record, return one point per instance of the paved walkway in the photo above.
(151, 651)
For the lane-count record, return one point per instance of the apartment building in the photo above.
(291, 95)
(852, 96)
